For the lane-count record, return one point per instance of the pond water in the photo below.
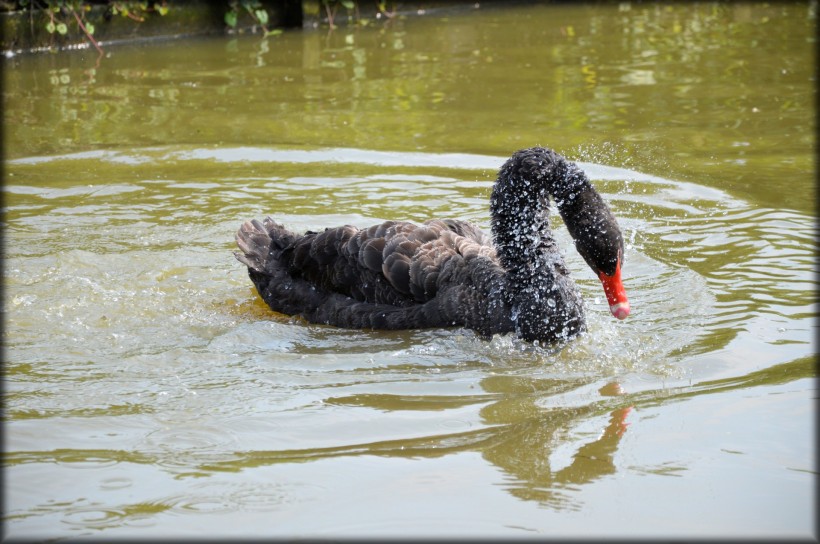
(147, 388)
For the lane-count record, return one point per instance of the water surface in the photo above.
(148, 388)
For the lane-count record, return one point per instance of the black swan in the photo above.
(399, 275)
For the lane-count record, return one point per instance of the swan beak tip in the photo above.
(615, 293)
(620, 310)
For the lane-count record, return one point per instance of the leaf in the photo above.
(230, 19)
(62, 28)
(348, 4)
(163, 10)
(50, 27)
(89, 28)
(262, 16)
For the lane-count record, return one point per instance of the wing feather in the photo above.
(394, 262)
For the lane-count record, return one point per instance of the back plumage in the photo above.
(395, 275)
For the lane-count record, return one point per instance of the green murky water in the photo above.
(146, 388)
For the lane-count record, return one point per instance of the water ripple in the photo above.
(155, 335)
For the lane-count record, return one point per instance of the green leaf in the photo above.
(162, 10)
(348, 4)
(274, 32)
(62, 28)
(262, 16)
(89, 28)
(50, 27)
(230, 19)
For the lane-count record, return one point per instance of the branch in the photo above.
(87, 34)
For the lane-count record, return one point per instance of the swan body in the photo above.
(446, 272)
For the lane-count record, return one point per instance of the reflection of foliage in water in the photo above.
(405, 82)
(65, 18)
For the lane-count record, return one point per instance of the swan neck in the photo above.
(519, 207)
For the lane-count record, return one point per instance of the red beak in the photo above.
(615, 293)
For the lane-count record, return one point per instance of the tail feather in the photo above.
(254, 241)
(259, 241)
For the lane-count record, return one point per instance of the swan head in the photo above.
(600, 243)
